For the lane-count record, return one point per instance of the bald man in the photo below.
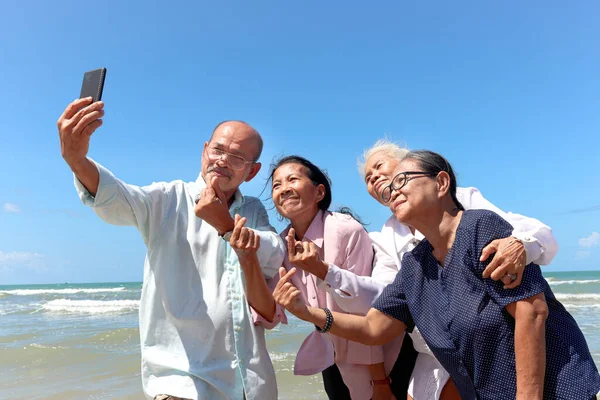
(201, 331)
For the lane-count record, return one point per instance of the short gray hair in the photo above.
(386, 146)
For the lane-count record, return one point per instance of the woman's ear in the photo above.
(320, 192)
(443, 182)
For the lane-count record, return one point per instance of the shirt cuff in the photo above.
(107, 188)
(279, 317)
(533, 249)
(333, 279)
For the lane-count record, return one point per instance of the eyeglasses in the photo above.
(234, 161)
(399, 181)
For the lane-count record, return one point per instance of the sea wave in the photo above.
(578, 296)
(574, 282)
(91, 306)
(582, 306)
(32, 292)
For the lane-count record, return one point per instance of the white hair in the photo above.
(385, 146)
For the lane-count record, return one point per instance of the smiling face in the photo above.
(231, 143)
(379, 171)
(418, 196)
(294, 194)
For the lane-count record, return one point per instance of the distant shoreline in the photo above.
(544, 271)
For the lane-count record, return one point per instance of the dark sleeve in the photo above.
(392, 302)
(489, 226)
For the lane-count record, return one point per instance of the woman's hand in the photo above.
(305, 255)
(289, 296)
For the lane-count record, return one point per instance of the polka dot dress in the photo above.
(464, 322)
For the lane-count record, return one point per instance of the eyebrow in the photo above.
(236, 153)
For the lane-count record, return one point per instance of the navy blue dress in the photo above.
(464, 322)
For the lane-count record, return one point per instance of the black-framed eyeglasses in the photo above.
(399, 181)
(234, 161)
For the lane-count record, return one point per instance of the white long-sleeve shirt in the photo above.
(355, 294)
(199, 339)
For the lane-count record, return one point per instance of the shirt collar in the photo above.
(419, 236)
(316, 229)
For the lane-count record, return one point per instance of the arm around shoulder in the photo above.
(537, 238)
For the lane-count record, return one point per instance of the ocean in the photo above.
(80, 341)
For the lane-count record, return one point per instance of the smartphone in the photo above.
(93, 84)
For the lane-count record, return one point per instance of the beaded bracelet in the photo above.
(328, 321)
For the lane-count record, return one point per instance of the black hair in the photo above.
(434, 163)
(315, 174)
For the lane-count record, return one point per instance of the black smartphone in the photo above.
(93, 84)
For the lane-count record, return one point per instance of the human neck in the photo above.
(302, 222)
(230, 196)
(439, 228)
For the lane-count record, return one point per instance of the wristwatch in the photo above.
(226, 236)
(385, 381)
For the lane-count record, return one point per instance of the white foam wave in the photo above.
(91, 306)
(281, 356)
(582, 307)
(578, 296)
(32, 292)
(574, 282)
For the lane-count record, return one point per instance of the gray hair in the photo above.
(385, 146)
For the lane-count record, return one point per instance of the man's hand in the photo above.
(304, 254)
(75, 127)
(244, 241)
(289, 296)
(509, 260)
(212, 207)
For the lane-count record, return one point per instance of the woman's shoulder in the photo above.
(481, 219)
(344, 224)
(480, 227)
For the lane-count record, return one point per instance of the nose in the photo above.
(221, 161)
(373, 178)
(284, 188)
(395, 194)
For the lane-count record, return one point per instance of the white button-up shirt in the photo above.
(199, 337)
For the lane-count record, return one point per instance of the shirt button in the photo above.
(241, 360)
(238, 328)
(236, 297)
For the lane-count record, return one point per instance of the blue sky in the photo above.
(507, 91)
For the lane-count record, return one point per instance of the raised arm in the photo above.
(75, 127)
(112, 200)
